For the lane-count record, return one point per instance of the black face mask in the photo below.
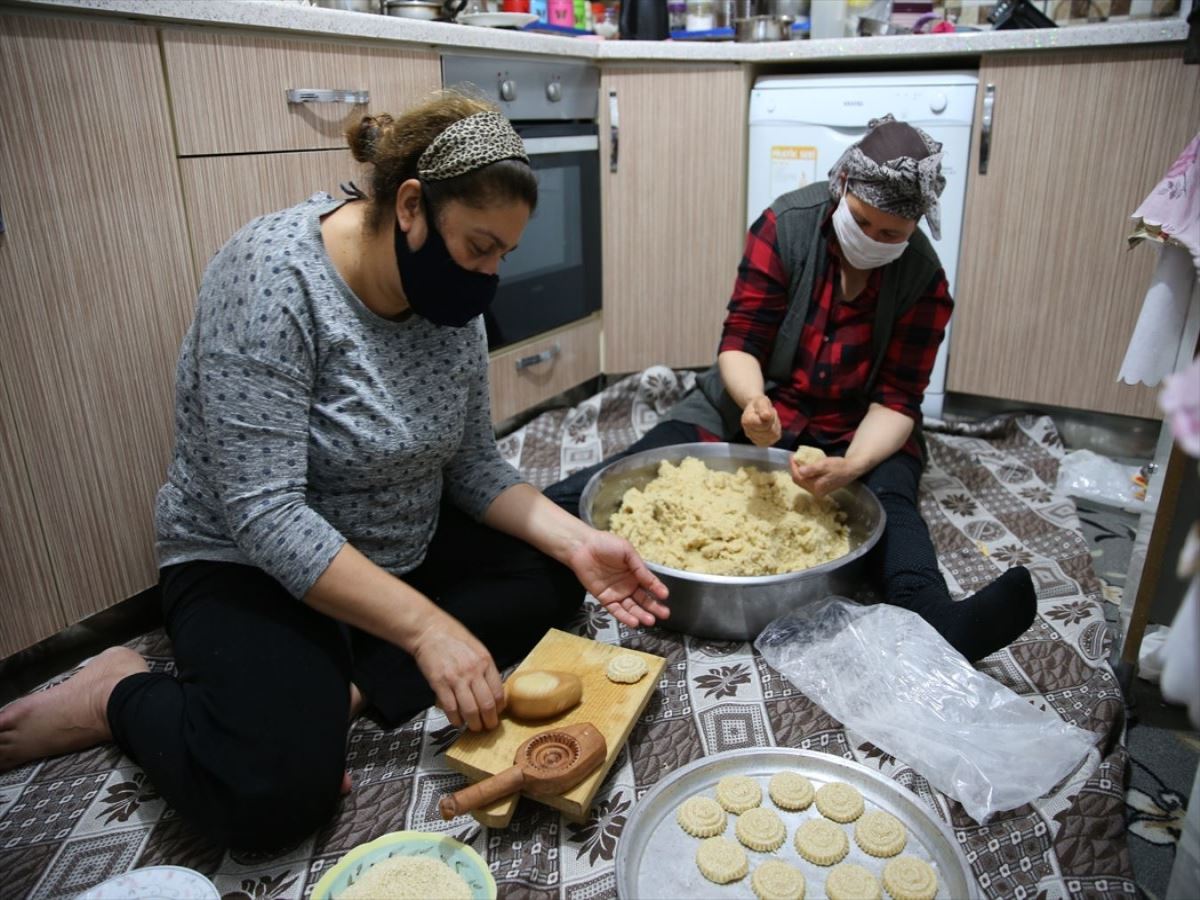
(438, 288)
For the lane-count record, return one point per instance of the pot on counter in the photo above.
(757, 29)
(416, 9)
(738, 608)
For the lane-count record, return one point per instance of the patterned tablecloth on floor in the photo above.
(988, 496)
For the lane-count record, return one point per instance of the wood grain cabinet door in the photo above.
(673, 212)
(229, 92)
(223, 193)
(1049, 289)
(96, 289)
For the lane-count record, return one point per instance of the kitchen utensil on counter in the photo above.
(612, 708)
(757, 29)
(414, 9)
(548, 763)
(868, 27)
(723, 606)
(367, 6)
(466, 863)
(656, 858)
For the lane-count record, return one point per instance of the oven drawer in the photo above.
(525, 375)
(229, 93)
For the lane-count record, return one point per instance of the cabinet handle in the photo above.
(985, 131)
(324, 95)
(614, 127)
(536, 359)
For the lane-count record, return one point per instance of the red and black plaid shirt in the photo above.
(823, 402)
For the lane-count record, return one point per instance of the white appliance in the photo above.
(801, 124)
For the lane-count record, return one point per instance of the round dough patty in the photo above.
(880, 833)
(721, 860)
(625, 668)
(790, 790)
(775, 880)
(761, 829)
(737, 793)
(840, 802)
(909, 878)
(821, 843)
(701, 817)
(851, 882)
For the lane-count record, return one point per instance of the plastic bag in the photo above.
(1083, 473)
(885, 673)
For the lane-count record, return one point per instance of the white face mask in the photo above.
(861, 251)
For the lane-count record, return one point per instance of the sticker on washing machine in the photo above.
(792, 168)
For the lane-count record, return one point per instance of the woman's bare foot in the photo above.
(67, 717)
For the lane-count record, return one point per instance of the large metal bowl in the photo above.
(724, 606)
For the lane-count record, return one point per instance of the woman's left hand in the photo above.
(824, 476)
(613, 573)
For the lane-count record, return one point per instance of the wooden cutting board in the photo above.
(612, 708)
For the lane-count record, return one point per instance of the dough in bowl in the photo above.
(744, 523)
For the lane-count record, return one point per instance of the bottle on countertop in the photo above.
(676, 15)
(700, 15)
(561, 12)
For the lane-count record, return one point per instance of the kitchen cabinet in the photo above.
(531, 372)
(30, 609)
(1048, 291)
(95, 293)
(246, 149)
(229, 92)
(223, 193)
(673, 211)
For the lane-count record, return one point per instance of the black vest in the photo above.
(802, 249)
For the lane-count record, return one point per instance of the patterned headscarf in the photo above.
(905, 185)
(468, 145)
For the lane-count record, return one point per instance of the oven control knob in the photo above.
(508, 90)
(554, 91)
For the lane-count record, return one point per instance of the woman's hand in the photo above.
(824, 476)
(760, 421)
(461, 672)
(613, 573)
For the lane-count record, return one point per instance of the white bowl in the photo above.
(154, 883)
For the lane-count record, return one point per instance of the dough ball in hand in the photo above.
(806, 456)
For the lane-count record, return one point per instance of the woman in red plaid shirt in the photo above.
(836, 316)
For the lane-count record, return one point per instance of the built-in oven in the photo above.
(553, 277)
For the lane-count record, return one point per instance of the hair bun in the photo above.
(364, 138)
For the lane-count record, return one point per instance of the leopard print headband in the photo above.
(904, 186)
(468, 145)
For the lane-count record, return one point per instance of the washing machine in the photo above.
(801, 124)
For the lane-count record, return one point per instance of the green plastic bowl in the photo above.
(464, 861)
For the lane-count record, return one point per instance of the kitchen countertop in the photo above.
(314, 21)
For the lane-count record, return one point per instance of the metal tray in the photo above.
(657, 858)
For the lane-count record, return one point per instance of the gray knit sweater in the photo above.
(303, 420)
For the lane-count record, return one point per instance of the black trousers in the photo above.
(248, 742)
(904, 563)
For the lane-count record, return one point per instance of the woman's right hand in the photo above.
(760, 421)
(461, 672)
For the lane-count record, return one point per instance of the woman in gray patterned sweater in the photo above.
(338, 528)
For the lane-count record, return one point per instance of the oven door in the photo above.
(553, 277)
